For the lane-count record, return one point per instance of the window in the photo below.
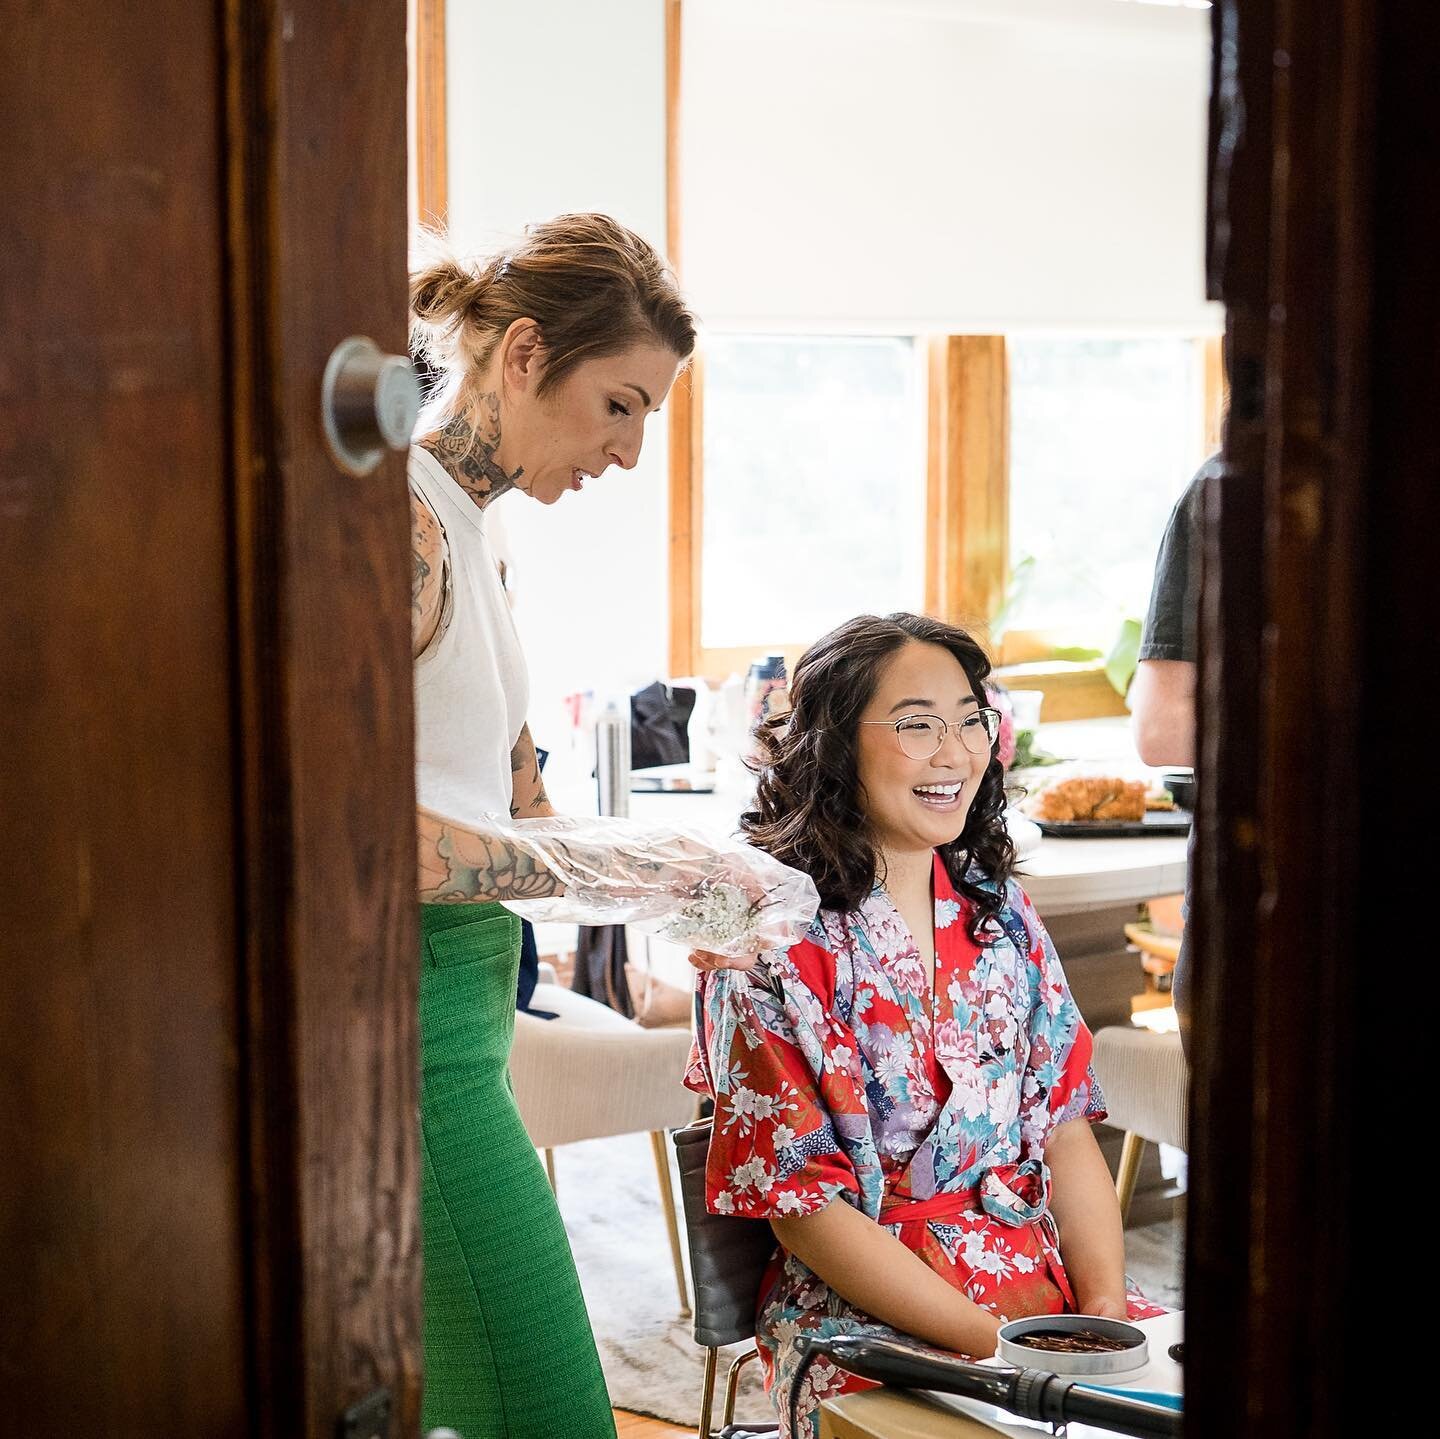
(977, 478)
(813, 485)
(1104, 435)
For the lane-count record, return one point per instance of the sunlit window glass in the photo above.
(1104, 435)
(814, 484)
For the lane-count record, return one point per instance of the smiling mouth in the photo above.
(942, 798)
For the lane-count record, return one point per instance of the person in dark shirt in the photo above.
(1162, 695)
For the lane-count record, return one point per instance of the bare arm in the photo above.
(1092, 1238)
(874, 1271)
(1162, 711)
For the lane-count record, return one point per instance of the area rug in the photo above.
(610, 1199)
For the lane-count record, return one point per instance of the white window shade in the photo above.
(960, 165)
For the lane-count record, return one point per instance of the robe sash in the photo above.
(1015, 1194)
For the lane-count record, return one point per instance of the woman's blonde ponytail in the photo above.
(592, 287)
(441, 292)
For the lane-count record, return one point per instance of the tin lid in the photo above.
(1132, 1356)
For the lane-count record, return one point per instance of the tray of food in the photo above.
(1104, 806)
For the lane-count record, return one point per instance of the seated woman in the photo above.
(917, 1057)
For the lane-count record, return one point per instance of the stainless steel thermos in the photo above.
(612, 762)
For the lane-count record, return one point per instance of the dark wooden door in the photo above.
(208, 1075)
(1313, 930)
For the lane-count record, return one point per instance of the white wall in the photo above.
(959, 165)
(557, 105)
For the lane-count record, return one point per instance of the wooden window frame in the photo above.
(967, 513)
(967, 540)
(428, 143)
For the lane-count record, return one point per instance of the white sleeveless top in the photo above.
(471, 685)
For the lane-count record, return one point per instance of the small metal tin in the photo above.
(1118, 1362)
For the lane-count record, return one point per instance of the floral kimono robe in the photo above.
(835, 1073)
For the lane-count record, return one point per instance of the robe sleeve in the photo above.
(786, 1079)
(1058, 1083)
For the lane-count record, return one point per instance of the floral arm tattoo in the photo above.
(467, 452)
(460, 865)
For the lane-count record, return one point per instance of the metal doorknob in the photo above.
(368, 402)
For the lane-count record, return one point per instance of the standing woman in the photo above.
(550, 358)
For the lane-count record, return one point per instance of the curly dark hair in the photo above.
(808, 810)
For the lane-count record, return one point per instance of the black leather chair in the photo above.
(728, 1258)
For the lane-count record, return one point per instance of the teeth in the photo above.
(949, 790)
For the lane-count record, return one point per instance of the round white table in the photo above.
(1070, 876)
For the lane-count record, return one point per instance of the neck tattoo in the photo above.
(468, 454)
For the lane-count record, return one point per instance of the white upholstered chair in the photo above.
(591, 1073)
(1145, 1081)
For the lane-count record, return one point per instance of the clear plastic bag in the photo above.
(721, 895)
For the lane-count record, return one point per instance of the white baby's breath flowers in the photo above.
(717, 917)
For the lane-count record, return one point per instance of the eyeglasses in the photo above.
(921, 736)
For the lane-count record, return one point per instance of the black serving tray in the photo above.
(1156, 822)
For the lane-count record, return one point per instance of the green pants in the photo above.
(508, 1349)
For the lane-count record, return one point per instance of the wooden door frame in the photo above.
(1318, 596)
(325, 739)
(209, 1204)
(428, 126)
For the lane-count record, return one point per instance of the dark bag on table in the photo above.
(659, 715)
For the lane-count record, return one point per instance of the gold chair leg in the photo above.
(550, 1168)
(732, 1385)
(667, 1202)
(707, 1392)
(1128, 1172)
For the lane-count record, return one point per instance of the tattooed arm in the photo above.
(459, 865)
(528, 799)
(427, 577)
(467, 453)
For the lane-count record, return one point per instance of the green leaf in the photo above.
(1123, 657)
(1078, 653)
(1028, 755)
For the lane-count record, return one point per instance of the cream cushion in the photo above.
(1145, 1081)
(591, 1073)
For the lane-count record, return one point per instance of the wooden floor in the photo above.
(632, 1426)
